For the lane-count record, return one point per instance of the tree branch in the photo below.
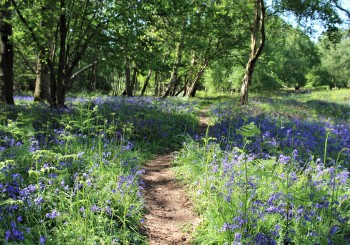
(347, 12)
(83, 69)
(25, 58)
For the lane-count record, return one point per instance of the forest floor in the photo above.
(170, 218)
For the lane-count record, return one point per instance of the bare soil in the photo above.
(169, 218)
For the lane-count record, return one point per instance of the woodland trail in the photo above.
(170, 218)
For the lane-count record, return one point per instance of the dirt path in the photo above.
(170, 218)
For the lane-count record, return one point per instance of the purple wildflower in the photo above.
(39, 200)
(333, 230)
(42, 240)
(343, 176)
(53, 214)
(94, 208)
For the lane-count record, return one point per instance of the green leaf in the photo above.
(11, 202)
(248, 130)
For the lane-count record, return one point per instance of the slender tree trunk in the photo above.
(134, 81)
(143, 90)
(60, 93)
(257, 39)
(191, 91)
(6, 55)
(53, 86)
(128, 85)
(173, 91)
(93, 78)
(174, 75)
(42, 81)
(156, 84)
(189, 77)
(185, 88)
(182, 89)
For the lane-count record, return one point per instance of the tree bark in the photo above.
(6, 55)
(156, 84)
(174, 75)
(42, 80)
(257, 39)
(128, 85)
(93, 78)
(60, 92)
(143, 90)
(192, 87)
(134, 80)
(191, 92)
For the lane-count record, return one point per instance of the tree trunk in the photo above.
(156, 84)
(192, 87)
(128, 85)
(191, 92)
(257, 39)
(42, 81)
(186, 87)
(174, 75)
(173, 91)
(143, 90)
(134, 81)
(179, 92)
(60, 93)
(93, 78)
(6, 55)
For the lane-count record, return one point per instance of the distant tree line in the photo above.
(168, 48)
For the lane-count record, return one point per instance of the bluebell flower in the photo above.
(53, 175)
(95, 208)
(229, 227)
(31, 188)
(238, 237)
(80, 154)
(272, 209)
(312, 233)
(283, 159)
(42, 240)
(333, 230)
(343, 177)
(295, 154)
(39, 200)
(53, 214)
(7, 235)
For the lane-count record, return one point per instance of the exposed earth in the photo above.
(170, 218)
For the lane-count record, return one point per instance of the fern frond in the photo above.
(248, 130)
